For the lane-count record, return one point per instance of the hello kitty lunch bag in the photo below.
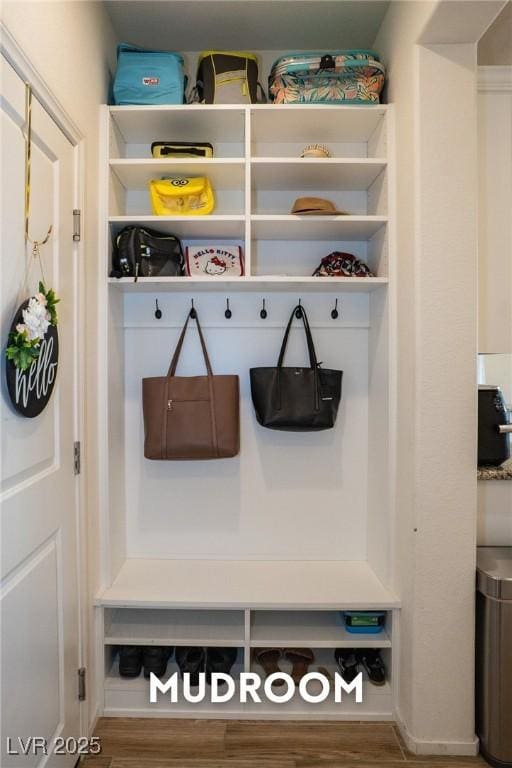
(214, 261)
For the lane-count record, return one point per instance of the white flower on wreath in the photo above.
(36, 318)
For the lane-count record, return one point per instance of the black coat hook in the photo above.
(263, 312)
(335, 313)
(193, 314)
(298, 311)
(228, 313)
(158, 311)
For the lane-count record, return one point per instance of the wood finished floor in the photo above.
(156, 743)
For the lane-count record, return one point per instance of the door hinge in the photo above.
(76, 224)
(81, 684)
(77, 459)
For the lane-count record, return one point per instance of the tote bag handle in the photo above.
(312, 356)
(177, 351)
(311, 347)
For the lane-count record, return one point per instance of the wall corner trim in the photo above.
(424, 747)
(495, 78)
(17, 58)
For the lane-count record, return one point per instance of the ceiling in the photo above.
(272, 25)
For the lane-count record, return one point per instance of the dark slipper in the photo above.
(155, 658)
(130, 660)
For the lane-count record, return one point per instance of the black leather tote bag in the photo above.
(296, 399)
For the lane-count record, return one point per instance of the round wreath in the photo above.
(25, 340)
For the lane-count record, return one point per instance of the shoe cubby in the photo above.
(249, 631)
(376, 704)
(131, 695)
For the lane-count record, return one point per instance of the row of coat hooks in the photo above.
(228, 314)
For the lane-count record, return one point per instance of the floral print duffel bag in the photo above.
(355, 76)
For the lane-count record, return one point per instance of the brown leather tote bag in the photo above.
(191, 417)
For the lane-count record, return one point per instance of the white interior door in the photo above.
(39, 547)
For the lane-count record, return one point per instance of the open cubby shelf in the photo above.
(312, 629)
(251, 628)
(132, 694)
(129, 626)
(319, 629)
(346, 124)
(267, 548)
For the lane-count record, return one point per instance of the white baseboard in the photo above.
(94, 721)
(423, 747)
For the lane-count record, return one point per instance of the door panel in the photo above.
(31, 599)
(39, 571)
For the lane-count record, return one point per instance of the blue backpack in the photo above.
(148, 77)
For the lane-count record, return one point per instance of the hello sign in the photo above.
(30, 390)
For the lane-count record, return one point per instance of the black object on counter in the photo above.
(493, 444)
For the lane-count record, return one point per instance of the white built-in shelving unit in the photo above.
(257, 173)
(269, 547)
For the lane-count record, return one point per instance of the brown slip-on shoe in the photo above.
(300, 658)
(268, 658)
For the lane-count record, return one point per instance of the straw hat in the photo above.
(315, 206)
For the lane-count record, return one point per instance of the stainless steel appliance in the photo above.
(493, 427)
(494, 654)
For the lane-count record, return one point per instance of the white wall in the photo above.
(259, 504)
(495, 47)
(436, 490)
(495, 513)
(497, 370)
(401, 27)
(495, 204)
(72, 45)
(446, 365)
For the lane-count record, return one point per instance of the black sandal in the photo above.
(347, 662)
(191, 660)
(373, 664)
